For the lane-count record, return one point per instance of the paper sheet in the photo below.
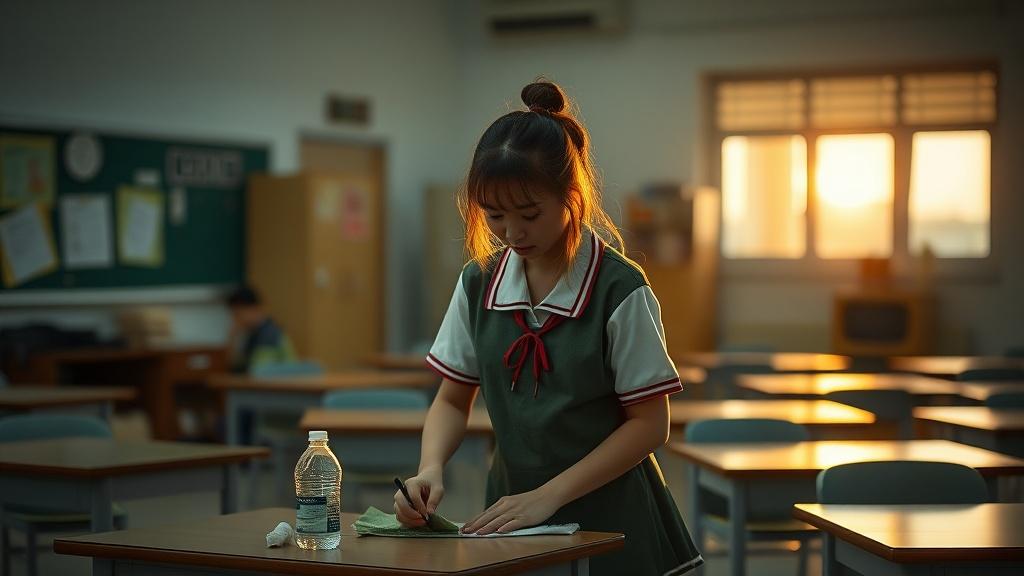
(140, 226)
(27, 242)
(374, 522)
(85, 230)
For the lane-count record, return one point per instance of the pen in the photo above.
(405, 492)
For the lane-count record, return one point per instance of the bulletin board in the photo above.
(121, 211)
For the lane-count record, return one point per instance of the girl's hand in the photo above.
(426, 490)
(514, 512)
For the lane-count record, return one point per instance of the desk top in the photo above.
(806, 459)
(348, 379)
(933, 533)
(980, 417)
(380, 422)
(389, 361)
(780, 362)
(97, 354)
(238, 541)
(949, 366)
(807, 412)
(821, 384)
(982, 390)
(100, 457)
(32, 397)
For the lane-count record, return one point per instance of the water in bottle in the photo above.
(318, 496)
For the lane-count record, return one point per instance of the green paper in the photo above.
(373, 522)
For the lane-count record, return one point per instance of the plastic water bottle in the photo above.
(318, 496)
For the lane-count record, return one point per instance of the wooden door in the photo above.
(348, 290)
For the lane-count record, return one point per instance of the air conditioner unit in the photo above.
(511, 17)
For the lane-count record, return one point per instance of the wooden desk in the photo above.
(1000, 430)
(812, 386)
(155, 372)
(295, 394)
(89, 473)
(388, 361)
(769, 478)
(36, 398)
(237, 543)
(980, 391)
(824, 419)
(779, 362)
(920, 540)
(951, 366)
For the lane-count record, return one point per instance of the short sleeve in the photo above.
(453, 356)
(639, 360)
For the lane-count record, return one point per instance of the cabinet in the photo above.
(315, 254)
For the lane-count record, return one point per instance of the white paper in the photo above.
(26, 243)
(532, 531)
(141, 234)
(85, 229)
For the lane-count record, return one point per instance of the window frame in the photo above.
(903, 265)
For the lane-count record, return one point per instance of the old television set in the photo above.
(882, 323)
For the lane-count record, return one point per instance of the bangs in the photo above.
(505, 180)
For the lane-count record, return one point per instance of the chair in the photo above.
(901, 482)
(990, 374)
(369, 460)
(1006, 400)
(278, 430)
(31, 520)
(892, 406)
(1014, 352)
(775, 525)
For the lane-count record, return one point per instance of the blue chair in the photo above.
(889, 406)
(1006, 400)
(368, 460)
(32, 520)
(298, 368)
(901, 482)
(990, 374)
(769, 525)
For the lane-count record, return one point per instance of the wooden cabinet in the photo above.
(315, 254)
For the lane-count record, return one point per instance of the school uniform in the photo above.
(556, 377)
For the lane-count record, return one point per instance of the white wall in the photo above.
(639, 96)
(243, 70)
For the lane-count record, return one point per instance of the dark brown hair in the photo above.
(526, 151)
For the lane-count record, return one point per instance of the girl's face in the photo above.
(533, 227)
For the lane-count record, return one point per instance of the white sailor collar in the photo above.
(508, 290)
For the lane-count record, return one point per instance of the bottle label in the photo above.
(312, 516)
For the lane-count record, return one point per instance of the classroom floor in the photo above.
(771, 561)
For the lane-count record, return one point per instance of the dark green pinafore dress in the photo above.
(542, 428)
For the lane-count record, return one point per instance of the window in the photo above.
(809, 164)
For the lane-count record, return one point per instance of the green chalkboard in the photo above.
(203, 244)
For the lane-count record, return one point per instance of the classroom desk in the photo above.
(40, 398)
(237, 543)
(824, 419)
(811, 386)
(951, 366)
(294, 394)
(90, 473)
(920, 540)
(390, 361)
(770, 478)
(779, 362)
(1001, 429)
(155, 372)
(980, 391)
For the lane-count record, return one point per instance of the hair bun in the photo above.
(544, 96)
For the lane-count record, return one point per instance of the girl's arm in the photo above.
(645, 429)
(442, 433)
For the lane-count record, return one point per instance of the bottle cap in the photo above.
(317, 435)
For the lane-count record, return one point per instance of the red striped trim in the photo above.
(647, 392)
(587, 286)
(597, 255)
(492, 288)
(446, 371)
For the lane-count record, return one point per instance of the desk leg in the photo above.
(829, 566)
(697, 527)
(102, 507)
(102, 567)
(229, 489)
(581, 567)
(737, 528)
(234, 420)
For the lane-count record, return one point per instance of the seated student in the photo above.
(255, 338)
